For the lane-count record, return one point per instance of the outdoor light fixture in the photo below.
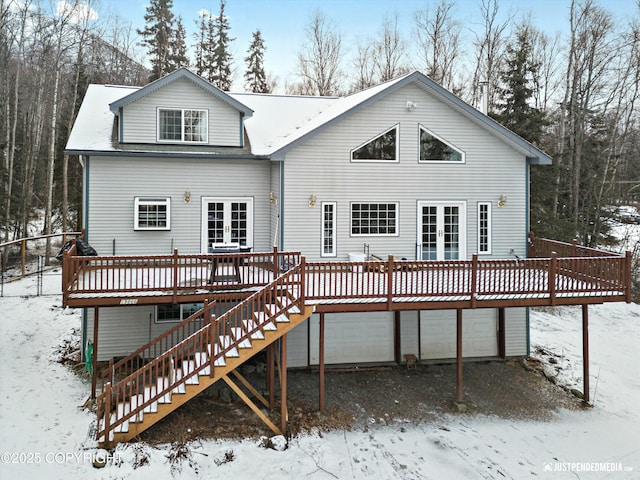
(273, 199)
(187, 196)
(411, 105)
(312, 200)
(502, 201)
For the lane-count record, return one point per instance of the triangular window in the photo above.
(382, 148)
(434, 149)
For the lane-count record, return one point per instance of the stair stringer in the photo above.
(205, 381)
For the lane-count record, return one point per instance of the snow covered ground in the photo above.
(43, 433)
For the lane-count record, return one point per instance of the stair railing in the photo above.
(159, 377)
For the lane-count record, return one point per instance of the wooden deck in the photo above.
(584, 276)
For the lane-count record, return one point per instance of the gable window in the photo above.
(182, 125)
(435, 149)
(152, 213)
(374, 219)
(383, 148)
(177, 312)
(328, 229)
(484, 227)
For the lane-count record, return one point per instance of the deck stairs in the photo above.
(144, 397)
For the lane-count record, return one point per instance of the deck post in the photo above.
(321, 369)
(459, 355)
(24, 255)
(94, 359)
(502, 348)
(283, 386)
(627, 276)
(585, 351)
(390, 269)
(553, 268)
(474, 279)
(271, 378)
(175, 276)
(397, 340)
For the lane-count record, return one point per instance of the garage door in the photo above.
(353, 338)
(438, 333)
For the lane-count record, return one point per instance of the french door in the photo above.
(227, 221)
(442, 230)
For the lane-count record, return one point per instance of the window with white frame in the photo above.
(152, 213)
(435, 149)
(329, 229)
(484, 227)
(182, 125)
(176, 313)
(383, 148)
(374, 219)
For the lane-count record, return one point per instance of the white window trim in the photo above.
(204, 243)
(397, 234)
(151, 201)
(462, 205)
(182, 140)
(334, 224)
(396, 127)
(489, 229)
(430, 132)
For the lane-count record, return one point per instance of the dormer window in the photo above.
(182, 125)
(435, 149)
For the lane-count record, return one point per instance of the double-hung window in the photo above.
(484, 227)
(152, 213)
(166, 313)
(182, 125)
(374, 219)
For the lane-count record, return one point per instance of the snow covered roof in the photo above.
(278, 122)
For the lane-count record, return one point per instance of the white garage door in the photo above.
(353, 338)
(438, 333)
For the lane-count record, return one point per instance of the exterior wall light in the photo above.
(312, 200)
(187, 196)
(502, 201)
(273, 200)
(411, 105)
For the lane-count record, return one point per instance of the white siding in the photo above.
(139, 117)
(409, 338)
(438, 333)
(322, 166)
(353, 338)
(114, 182)
(298, 346)
(515, 331)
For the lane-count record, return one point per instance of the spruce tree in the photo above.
(255, 79)
(200, 47)
(157, 36)
(221, 57)
(178, 47)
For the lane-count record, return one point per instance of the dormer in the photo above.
(180, 109)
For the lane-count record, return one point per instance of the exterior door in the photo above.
(227, 221)
(442, 230)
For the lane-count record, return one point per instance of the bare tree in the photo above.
(320, 58)
(363, 66)
(389, 50)
(489, 47)
(438, 36)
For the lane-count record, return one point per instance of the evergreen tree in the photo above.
(221, 57)
(514, 107)
(254, 77)
(200, 47)
(158, 34)
(178, 47)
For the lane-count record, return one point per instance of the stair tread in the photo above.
(262, 319)
(238, 333)
(273, 309)
(286, 303)
(225, 342)
(251, 325)
(189, 366)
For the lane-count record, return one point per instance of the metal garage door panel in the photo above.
(438, 334)
(353, 338)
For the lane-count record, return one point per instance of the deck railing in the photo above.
(202, 349)
(172, 274)
(561, 270)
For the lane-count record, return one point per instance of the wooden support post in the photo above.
(94, 359)
(271, 377)
(474, 279)
(175, 276)
(585, 351)
(390, 269)
(251, 388)
(553, 269)
(397, 341)
(459, 355)
(251, 405)
(321, 370)
(283, 385)
(502, 347)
